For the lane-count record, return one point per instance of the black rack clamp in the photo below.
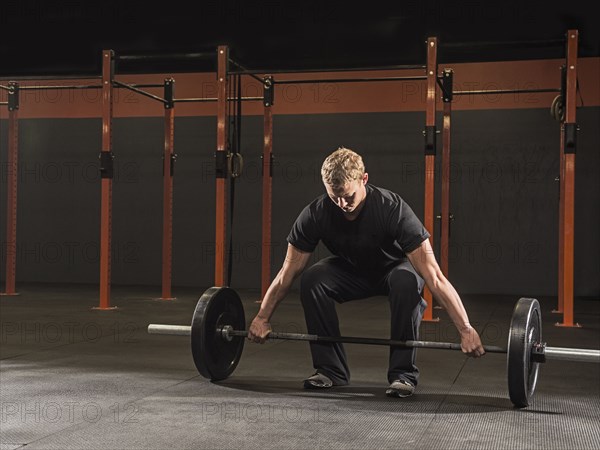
(447, 85)
(270, 165)
(106, 164)
(430, 144)
(13, 96)
(169, 89)
(570, 136)
(172, 158)
(172, 165)
(221, 166)
(268, 91)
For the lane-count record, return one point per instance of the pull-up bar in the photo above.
(350, 80)
(339, 69)
(51, 77)
(488, 44)
(47, 88)
(505, 91)
(214, 99)
(166, 56)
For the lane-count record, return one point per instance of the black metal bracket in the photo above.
(169, 89)
(430, 133)
(268, 91)
(570, 143)
(447, 85)
(107, 164)
(221, 164)
(563, 82)
(450, 219)
(172, 158)
(13, 96)
(270, 166)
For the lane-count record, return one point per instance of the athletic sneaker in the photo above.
(318, 381)
(400, 388)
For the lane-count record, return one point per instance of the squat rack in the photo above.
(224, 161)
(13, 102)
(565, 111)
(222, 158)
(107, 84)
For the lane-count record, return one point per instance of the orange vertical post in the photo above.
(168, 171)
(445, 200)
(267, 183)
(430, 138)
(561, 224)
(106, 176)
(221, 166)
(569, 148)
(11, 191)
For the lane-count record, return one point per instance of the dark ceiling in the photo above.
(66, 37)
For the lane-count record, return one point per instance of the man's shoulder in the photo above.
(316, 206)
(385, 196)
(318, 202)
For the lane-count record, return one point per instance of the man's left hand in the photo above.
(470, 342)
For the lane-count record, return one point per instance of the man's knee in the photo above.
(312, 278)
(403, 282)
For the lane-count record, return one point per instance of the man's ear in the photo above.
(365, 178)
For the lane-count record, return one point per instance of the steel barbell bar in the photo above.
(217, 340)
(227, 332)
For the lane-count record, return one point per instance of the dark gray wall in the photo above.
(504, 195)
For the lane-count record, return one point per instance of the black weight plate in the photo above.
(525, 331)
(216, 358)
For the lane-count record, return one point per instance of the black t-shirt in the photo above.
(385, 230)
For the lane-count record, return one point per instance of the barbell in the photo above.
(217, 338)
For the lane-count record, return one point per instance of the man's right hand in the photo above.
(293, 265)
(259, 330)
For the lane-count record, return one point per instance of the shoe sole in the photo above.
(397, 393)
(309, 385)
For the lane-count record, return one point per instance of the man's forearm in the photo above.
(444, 292)
(276, 292)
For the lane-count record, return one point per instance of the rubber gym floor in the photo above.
(72, 377)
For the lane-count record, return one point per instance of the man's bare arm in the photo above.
(424, 262)
(294, 264)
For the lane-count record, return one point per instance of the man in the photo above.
(379, 247)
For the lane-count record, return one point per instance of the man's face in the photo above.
(349, 197)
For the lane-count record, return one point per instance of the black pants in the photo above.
(334, 280)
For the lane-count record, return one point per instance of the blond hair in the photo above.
(341, 167)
